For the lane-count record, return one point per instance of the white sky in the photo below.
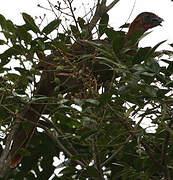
(12, 10)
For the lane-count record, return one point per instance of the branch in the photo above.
(164, 151)
(96, 155)
(5, 164)
(101, 9)
(120, 148)
(60, 145)
(116, 152)
(112, 5)
(56, 129)
(146, 147)
(72, 12)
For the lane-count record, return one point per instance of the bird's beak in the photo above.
(156, 21)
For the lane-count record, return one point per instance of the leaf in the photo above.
(51, 26)
(110, 61)
(150, 53)
(153, 66)
(30, 23)
(111, 33)
(68, 171)
(118, 42)
(169, 84)
(152, 91)
(41, 44)
(61, 45)
(3, 22)
(75, 31)
(170, 68)
(141, 55)
(81, 22)
(12, 51)
(93, 101)
(103, 24)
(10, 26)
(22, 34)
(92, 171)
(2, 42)
(126, 25)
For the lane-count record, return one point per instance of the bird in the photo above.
(143, 22)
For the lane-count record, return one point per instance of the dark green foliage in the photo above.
(101, 131)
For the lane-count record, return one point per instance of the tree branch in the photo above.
(146, 147)
(60, 145)
(96, 155)
(112, 5)
(101, 9)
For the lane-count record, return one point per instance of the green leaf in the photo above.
(150, 53)
(75, 31)
(152, 91)
(103, 24)
(51, 26)
(170, 67)
(169, 84)
(61, 45)
(10, 26)
(92, 171)
(93, 101)
(30, 23)
(126, 25)
(12, 51)
(3, 22)
(81, 22)
(68, 171)
(2, 42)
(22, 34)
(118, 42)
(141, 55)
(153, 66)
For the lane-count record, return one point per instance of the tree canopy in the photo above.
(84, 90)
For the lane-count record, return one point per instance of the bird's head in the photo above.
(143, 22)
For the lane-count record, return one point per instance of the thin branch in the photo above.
(51, 6)
(119, 150)
(56, 129)
(73, 15)
(116, 152)
(101, 9)
(96, 155)
(147, 148)
(112, 5)
(60, 145)
(164, 151)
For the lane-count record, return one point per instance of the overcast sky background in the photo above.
(12, 10)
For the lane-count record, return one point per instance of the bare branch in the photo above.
(101, 9)
(112, 5)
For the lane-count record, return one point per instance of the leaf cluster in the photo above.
(101, 88)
